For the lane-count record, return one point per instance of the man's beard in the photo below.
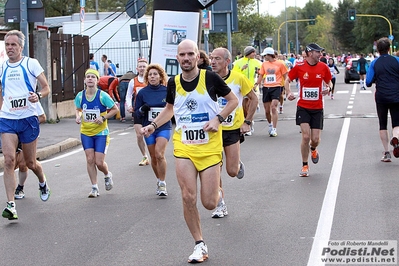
(187, 68)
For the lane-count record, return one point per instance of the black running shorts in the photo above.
(312, 117)
(230, 137)
(382, 112)
(270, 94)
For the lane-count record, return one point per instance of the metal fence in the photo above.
(123, 54)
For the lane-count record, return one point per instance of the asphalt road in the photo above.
(275, 217)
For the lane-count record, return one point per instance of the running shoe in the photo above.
(395, 144)
(241, 171)
(252, 127)
(305, 171)
(281, 109)
(270, 129)
(10, 212)
(161, 190)
(44, 192)
(249, 133)
(200, 253)
(273, 133)
(144, 161)
(386, 158)
(94, 193)
(109, 184)
(19, 193)
(332, 96)
(315, 156)
(220, 211)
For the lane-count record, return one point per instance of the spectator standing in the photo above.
(107, 70)
(93, 64)
(113, 68)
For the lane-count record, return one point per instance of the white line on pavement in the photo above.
(326, 217)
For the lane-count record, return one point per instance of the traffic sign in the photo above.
(206, 3)
(390, 37)
(131, 8)
(82, 14)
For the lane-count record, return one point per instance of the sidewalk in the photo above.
(55, 138)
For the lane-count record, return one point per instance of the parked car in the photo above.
(351, 70)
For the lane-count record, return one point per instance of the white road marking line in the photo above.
(326, 217)
(354, 89)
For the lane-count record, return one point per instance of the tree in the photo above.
(342, 28)
(318, 33)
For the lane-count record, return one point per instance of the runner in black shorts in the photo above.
(362, 67)
(273, 72)
(384, 72)
(312, 75)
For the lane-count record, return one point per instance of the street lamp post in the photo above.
(268, 6)
(296, 31)
(286, 28)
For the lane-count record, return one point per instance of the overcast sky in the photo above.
(276, 6)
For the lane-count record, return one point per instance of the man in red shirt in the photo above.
(312, 75)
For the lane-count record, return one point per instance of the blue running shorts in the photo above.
(150, 140)
(99, 142)
(27, 129)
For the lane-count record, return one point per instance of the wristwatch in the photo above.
(39, 95)
(221, 119)
(103, 118)
(248, 122)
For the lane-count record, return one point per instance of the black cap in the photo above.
(314, 47)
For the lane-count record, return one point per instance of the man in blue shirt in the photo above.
(93, 64)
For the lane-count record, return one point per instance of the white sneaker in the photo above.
(44, 192)
(94, 193)
(10, 212)
(109, 184)
(200, 253)
(161, 189)
(270, 129)
(249, 133)
(273, 133)
(220, 211)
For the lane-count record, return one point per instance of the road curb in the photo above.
(44, 153)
